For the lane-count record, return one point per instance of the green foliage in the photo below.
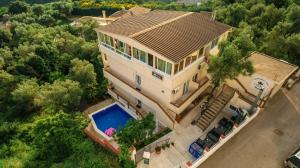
(83, 72)
(61, 95)
(5, 37)
(17, 7)
(25, 93)
(136, 131)
(56, 137)
(124, 158)
(3, 10)
(228, 64)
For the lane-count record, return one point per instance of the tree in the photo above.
(136, 131)
(61, 95)
(83, 72)
(228, 64)
(56, 137)
(125, 157)
(25, 93)
(5, 37)
(18, 7)
(46, 20)
(244, 43)
(38, 9)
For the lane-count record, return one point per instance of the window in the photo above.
(194, 58)
(161, 65)
(150, 60)
(105, 57)
(201, 51)
(187, 61)
(181, 65)
(175, 68)
(101, 37)
(142, 55)
(109, 40)
(185, 87)
(195, 77)
(128, 49)
(122, 46)
(214, 43)
(135, 53)
(168, 68)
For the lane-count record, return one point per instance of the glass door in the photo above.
(185, 87)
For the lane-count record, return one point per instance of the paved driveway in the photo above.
(268, 140)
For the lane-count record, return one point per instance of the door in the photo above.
(195, 77)
(138, 81)
(185, 87)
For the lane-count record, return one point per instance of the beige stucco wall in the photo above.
(159, 89)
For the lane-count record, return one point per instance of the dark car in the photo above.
(293, 161)
(239, 114)
(211, 139)
(224, 126)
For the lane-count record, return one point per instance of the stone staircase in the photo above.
(215, 108)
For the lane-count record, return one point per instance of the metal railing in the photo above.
(150, 148)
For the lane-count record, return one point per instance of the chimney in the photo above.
(103, 13)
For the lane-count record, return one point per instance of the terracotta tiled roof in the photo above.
(182, 37)
(173, 34)
(130, 25)
(137, 10)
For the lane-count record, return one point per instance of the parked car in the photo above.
(239, 114)
(196, 150)
(211, 139)
(293, 161)
(224, 126)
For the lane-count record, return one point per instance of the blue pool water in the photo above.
(113, 116)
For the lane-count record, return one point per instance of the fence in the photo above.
(150, 148)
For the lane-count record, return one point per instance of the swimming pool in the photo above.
(113, 116)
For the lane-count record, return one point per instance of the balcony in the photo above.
(166, 115)
(195, 89)
(116, 51)
(124, 100)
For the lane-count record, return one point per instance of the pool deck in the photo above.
(97, 106)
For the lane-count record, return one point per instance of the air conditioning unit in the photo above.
(174, 91)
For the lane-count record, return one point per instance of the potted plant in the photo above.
(168, 145)
(157, 150)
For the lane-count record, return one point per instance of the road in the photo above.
(267, 140)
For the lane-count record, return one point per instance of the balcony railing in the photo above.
(193, 91)
(166, 111)
(130, 105)
(117, 51)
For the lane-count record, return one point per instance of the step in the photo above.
(206, 122)
(215, 107)
(201, 125)
(212, 112)
(206, 117)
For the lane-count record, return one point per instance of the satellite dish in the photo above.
(260, 84)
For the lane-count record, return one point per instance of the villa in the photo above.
(157, 62)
